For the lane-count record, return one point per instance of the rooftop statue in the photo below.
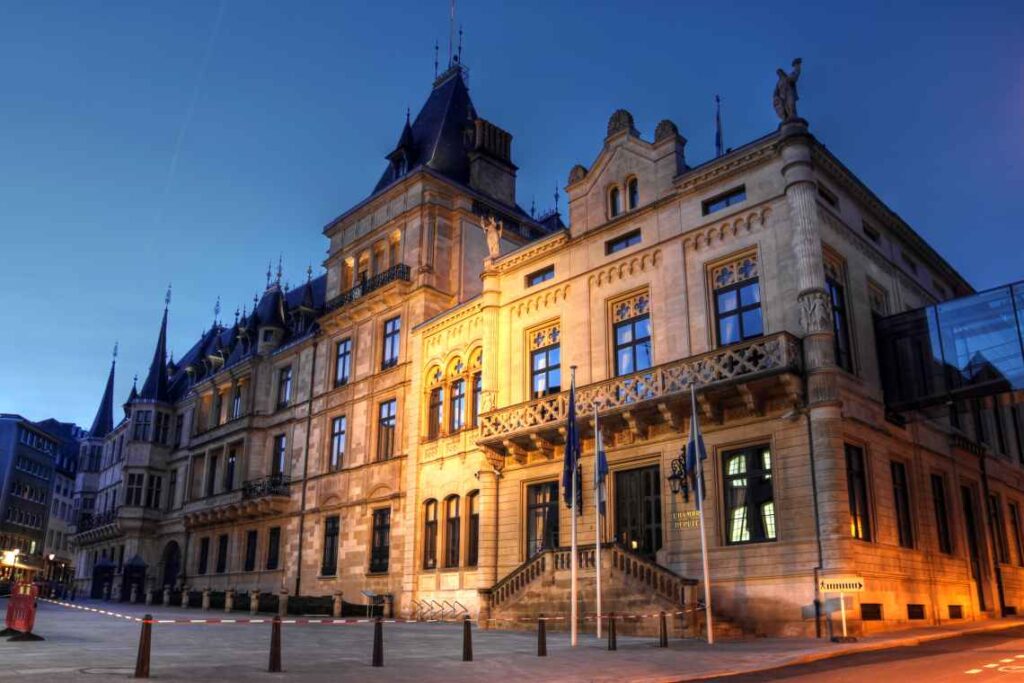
(785, 97)
(493, 227)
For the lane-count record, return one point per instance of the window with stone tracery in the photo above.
(545, 360)
(631, 333)
(736, 294)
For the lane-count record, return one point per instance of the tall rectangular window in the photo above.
(329, 562)
(386, 421)
(392, 330)
(749, 496)
(179, 427)
(998, 527)
(430, 534)
(478, 389)
(211, 475)
(284, 386)
(236, 403)
(217, 407)
(541, 517)
(172, 490)
(435, 412)
(343, 362)
(380, 546)
(939, 502)
(163, 428)
(452, 526)
(229, 469)
(143, 419)
(133, 494)
(204, 554)
(278, 466)
(901, 503)
(1018, 542)
(834, 279)
(546, 371)
(222, 553)
(473, 528)
(457, 407)
(153, 491)
(251, 538)
(273, 547)
(857, 489)
(632, 345)
(737, 300)
(338, 426)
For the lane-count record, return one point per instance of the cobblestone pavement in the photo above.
(85, 646)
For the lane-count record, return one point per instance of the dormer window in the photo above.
(633, 193)
(614, 202)
(402, 167)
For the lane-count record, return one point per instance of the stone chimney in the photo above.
(491, 170)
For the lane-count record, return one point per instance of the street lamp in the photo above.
(677, 480)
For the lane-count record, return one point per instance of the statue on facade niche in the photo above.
(785, 96)
(493, 227)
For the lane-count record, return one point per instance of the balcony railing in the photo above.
(740, 362)
(274, 485)
(399, 271)
(90, 520)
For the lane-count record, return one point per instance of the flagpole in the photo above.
(597, 515)
(572, 554)
(703, 535)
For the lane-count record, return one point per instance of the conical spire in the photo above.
(155, 386)
(104, 421)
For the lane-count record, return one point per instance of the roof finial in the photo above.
(309, 272)
(556, 197)
(459, 56)
(437, 49)
(269, 266)
(135, 381)
(167, 297)
(279, 269)
(451, 30)
(533, 207)
(216, 311)
(718, 126)
(255, 302)
(115, 352)
(236, 316)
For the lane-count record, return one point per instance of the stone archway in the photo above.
(171, 561)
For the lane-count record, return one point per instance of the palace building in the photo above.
(396, 426)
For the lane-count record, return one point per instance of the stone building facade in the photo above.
(396, 425)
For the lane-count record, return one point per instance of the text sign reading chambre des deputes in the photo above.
(841, 584)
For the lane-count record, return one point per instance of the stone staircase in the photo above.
(630, 585)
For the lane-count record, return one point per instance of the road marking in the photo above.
(1008, 660)
(991, 666)
(974, 671)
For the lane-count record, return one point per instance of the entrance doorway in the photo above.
(172, 564)
(638, 510)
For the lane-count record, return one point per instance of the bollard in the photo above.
(612, 641)
(206, 599)
(282, 602)
(149, 597)
(145, 641)
(378, 643)
(275, 646)
(229, 599)
(254, 602)
(167, 596)
(542, 637)
(663, 630)
(336, 605)
(467, 640)
(184, 596)
(133, 595)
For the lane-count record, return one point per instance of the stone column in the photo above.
(133, 596)
(254, 602)
(487, 559)
(167, 596)
(184, 596)
(229, 599)
(336, 604)
(206, 599)
(822, 400)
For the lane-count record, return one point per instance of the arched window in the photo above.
(430, 534)
(632, 193)
(451, 531)
(435, 403)
(473, 528)
(614, 203)
(457, 413)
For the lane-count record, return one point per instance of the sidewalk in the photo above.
(79, 642)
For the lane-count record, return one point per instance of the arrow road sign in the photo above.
(841, 584)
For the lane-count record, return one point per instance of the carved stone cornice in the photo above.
(531, 251)
(626, 267)
(549, 297)
(729, 165)
(734, 226)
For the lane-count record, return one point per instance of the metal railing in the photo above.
(399, 271)
(765, 355)
(273, 485)
(91, 520)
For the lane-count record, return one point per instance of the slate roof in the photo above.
(104, 420)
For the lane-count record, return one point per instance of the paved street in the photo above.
(80, 642)
(983, 657)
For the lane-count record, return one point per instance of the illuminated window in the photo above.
(473, 540)
(338, 436)
(457, 407)
(857, 489)
(430, 534)
(749, 495)
(451, 531)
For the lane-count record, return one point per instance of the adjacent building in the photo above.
(396, 425)
(58, 554)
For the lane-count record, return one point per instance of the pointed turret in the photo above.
(104, 422)
(155, 386)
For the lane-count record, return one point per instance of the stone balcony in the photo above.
(256, 498)
(93, 527)
(744, 378)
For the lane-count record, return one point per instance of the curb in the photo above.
(810, 658)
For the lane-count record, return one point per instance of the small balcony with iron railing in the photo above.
(255, 498)
(743, 378)
(398, 273)
(96, 526)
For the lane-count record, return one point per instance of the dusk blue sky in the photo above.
(191, 142)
